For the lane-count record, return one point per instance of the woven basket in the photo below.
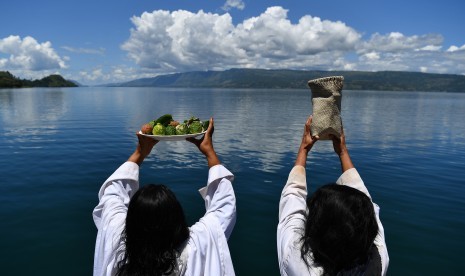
(326, 101)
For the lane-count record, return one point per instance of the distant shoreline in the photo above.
(8, 80)
(297, 79)
(269, 79)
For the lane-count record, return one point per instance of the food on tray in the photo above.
(147, 129)
(195, 127)
(170, 130)
(158, 129)
(181, 129)
(166, 125)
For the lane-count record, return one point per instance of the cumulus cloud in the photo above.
(114, 74)
(454, 48)
(183, 41)
(233, 4)
(397, 52)
(28, 54)
(396, 42)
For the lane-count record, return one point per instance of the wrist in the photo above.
(213, 160)
(305, 149)
(344, 152)
(301, 159)
(137, 158)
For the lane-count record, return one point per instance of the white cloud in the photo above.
(28, 54)
(113, 74)
(397, 52)
(397, 42)
(433, 48)
(183, 41)
(454, 48)
(178, 41)
(95, 74)
(233, 4)
(371, 56)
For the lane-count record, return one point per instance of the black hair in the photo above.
(155, 229)
(340, 229)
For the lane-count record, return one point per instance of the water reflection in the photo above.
(30, 117)
(258, 127)
(403, 118)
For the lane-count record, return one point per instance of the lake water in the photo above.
(57, 146)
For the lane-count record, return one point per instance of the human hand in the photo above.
(205, 145)
(306, 145)
(144, 147)
(307, 139)
(145, 144)
(339, 143)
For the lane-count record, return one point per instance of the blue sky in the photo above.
(104, 41)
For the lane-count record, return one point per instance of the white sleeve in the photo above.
(352, 179)
(292, 216)
(209, 252)
(110, 214)
(219, 197)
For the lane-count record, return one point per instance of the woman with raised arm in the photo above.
(336, 231)
(144, 232)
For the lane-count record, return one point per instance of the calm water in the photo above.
(57, 146)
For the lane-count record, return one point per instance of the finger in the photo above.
(309, 120)
(308, 124)
(211, 127)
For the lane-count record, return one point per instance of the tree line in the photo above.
(8, 80)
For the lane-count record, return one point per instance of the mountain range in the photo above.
(296, 79)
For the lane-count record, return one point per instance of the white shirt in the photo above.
(292, 214)
(206, 251)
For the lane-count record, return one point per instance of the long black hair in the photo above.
(340, 229)
(155, 228)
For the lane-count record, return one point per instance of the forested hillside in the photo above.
(7, 80)
(259, 78)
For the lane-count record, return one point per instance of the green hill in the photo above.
(260, 78)
(7, 80)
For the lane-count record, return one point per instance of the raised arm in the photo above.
(339, 144)
(116, 191)
(205, 145)
(218, 194)
(110, 213)
(350, 177)
(143, 149)
(292, 205)
(306, 145)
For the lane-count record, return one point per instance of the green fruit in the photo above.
(195, 127)
(158, 129)
(170, 130)
(164, 120)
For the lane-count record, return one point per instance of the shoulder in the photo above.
(352, 178)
